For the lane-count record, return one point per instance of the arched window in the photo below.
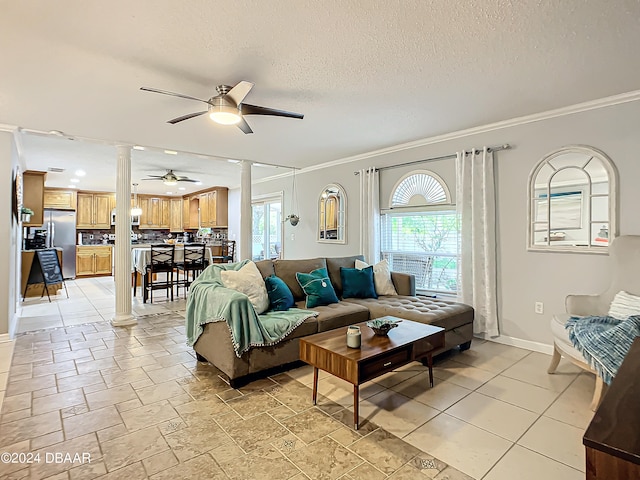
(420, 188)
(420, 233)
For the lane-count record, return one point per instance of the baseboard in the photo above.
(518, 342)
(4, 337)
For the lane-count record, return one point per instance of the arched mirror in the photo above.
(572, 201)
(332, 214)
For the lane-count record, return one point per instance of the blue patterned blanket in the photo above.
(603, 341)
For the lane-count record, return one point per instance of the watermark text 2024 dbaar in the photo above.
(46, 457)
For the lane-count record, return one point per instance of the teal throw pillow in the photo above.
(317, 287)
(280, 296)
(357, 283)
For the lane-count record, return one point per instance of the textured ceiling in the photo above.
(367, 74)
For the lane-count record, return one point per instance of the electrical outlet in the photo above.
(539, 308)
(293, 236)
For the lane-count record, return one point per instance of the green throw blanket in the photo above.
(210, 301)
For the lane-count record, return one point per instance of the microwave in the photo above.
(135, 219)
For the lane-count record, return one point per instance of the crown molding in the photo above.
(536, 117)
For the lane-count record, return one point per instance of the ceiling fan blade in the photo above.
(165, 92)
(143, 179)
(244, 126)
(188, 180)
(240, 91)
(185, 117)
(247, 109)
(154, 176)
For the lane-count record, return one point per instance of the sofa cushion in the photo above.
(317, 287)
(280, 297)
(357, 283)
(338, 315)
(266, 268)
(381, 277)
(248, 280)
(434, 311)
(333, 267)
(286, 270)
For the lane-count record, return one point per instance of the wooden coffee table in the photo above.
(377, 355)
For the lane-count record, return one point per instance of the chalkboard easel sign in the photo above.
(45, 269)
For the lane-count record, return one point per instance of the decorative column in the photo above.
(122, 252)
(245, 212)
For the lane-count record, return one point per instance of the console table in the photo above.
(612, 440)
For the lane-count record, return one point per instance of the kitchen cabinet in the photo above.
(156, 212)
(175, 215)
(94, 210)
(213, 208)
(186, 225)
(207, 204)
(93, 260)
(60, 199)
(33, 196)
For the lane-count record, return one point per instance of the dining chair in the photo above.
(194, 262)
(228, 251)
(161, 261)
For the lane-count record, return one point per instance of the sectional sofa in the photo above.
(215, 344)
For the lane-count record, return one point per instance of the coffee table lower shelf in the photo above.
(377, 355)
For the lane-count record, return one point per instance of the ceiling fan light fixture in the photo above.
(224, 114)
(170, 181)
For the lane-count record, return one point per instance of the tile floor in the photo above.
(493, 414)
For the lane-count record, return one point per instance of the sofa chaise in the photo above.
(214, 344)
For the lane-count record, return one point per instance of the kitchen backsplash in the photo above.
(96, 237)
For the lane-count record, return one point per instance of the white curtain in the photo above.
(476, 206)
(370, 215)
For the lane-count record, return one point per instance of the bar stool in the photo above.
(194, 262)
(162, 261)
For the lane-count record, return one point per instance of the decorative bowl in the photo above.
(381, 326)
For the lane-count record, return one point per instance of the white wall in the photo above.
(524, 277)
(10, 239)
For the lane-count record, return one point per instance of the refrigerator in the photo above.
(61, 233)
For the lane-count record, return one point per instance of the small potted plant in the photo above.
(26, 214)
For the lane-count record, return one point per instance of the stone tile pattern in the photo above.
(136, 401)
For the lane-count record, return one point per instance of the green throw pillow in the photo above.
(317, 287)
(280, 296)
(357, 283)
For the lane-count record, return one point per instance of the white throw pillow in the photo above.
(249, 281)
(624, 305)
(381, 277)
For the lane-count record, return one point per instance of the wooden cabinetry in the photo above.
(156, 212)
(33, 196)
(93, 260)
(59, 199)
(94, 210)
(175, 216)
(207, 204)
(611, 440)
(213, 208)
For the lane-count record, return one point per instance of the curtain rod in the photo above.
(496, 148)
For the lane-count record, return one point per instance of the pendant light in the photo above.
(136, 210)
(292, 218)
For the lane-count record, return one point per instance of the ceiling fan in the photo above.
(171, 178)
(228, 107)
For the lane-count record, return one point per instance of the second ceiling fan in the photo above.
(171, 178)
(228, 107)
